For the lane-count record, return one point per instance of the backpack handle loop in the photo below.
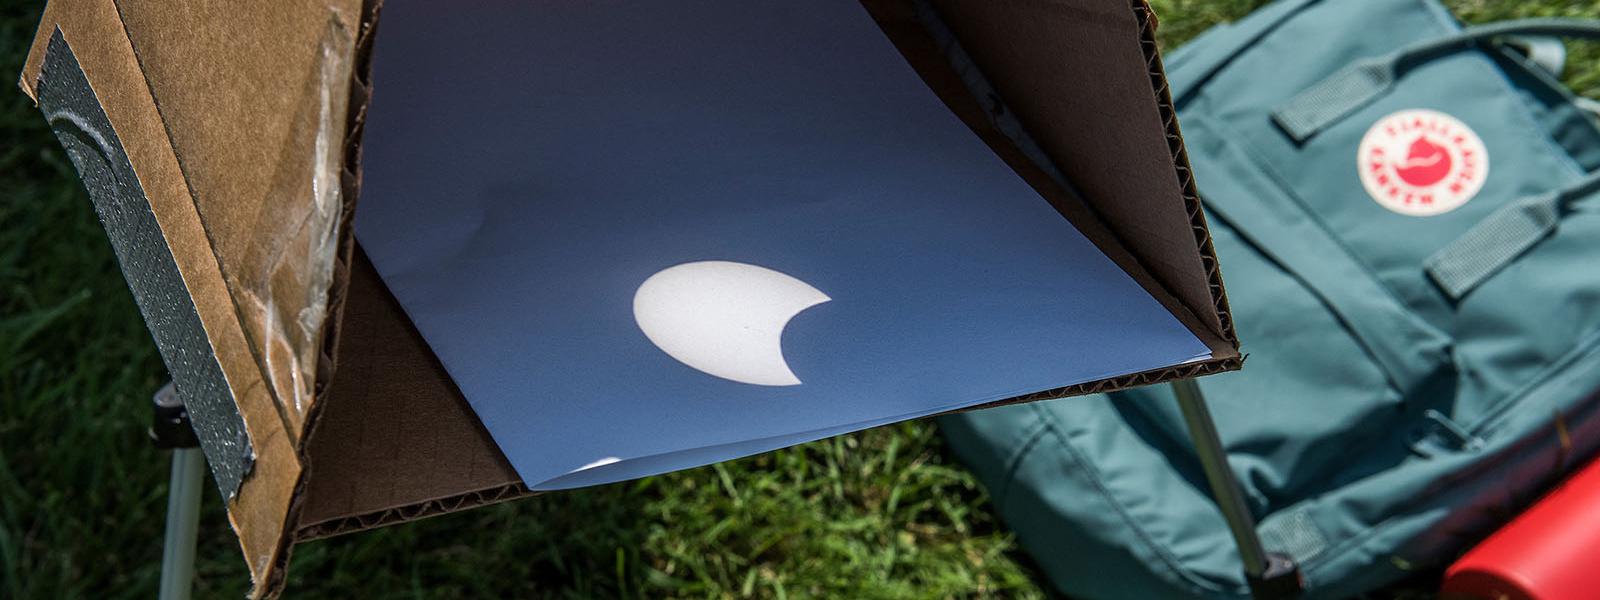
(1363, 81)
(1501, 237)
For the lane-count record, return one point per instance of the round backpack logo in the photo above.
(1422, 162)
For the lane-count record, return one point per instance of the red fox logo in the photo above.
(1426, 163)
(1422, 162)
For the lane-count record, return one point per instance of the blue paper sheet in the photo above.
(645, 236)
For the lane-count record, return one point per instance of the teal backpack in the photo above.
(1407, 216)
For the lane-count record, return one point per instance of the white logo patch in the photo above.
(1422, 162)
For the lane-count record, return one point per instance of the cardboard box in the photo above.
(220, 143)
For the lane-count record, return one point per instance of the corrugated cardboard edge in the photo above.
(1219, 364)
(99, 39)
(271, 584)
(360, 89)
(1191, 195)
(422, 510)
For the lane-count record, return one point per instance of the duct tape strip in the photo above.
(91, 143)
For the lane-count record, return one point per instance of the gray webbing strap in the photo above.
(1501, 237)
(1363, 81)
(1293, 532)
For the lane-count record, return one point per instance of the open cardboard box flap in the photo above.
(232, 132)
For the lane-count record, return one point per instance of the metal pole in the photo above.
(183, 523)
(1269, 575)
(170, 429)
(1224, 488)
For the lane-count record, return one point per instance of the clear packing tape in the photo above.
(281, 272)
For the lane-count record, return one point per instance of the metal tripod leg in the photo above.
(183, 523)
(1270, 575)
(170, 429)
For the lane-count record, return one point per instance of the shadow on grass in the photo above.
(877, 514)
(584, 543)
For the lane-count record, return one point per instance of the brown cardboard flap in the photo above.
(396, 440)
(95, 32)
(258, 126)
(395, 431)
(1205, 317)
(1084, 78)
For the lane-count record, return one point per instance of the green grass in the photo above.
(880, 514)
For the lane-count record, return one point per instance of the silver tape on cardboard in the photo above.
(81, 124)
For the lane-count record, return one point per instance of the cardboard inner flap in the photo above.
(398, 441)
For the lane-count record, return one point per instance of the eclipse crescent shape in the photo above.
(724, 318)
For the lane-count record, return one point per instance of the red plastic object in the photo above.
(1550, 552)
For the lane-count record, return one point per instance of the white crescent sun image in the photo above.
(724, 318)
